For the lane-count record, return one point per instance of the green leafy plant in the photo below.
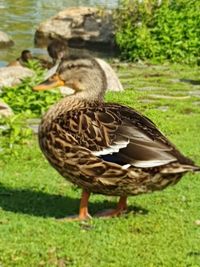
(14, 131)
(25, 103)
(165, 31)
(22, 99)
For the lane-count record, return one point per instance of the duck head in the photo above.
(83, 76)
(26, 55)
(57, 50)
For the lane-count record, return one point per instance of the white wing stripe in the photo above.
(112, 149)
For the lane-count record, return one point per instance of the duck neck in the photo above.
(90, 96)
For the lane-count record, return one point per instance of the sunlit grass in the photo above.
(160, 229)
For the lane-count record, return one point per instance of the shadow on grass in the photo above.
(38, 203)
(193, 82)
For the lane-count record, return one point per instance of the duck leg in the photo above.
(83, 210)
(120, 209)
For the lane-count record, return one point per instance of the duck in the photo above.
(22, 60)
(104, 148)
(26, 56)
(57, 49)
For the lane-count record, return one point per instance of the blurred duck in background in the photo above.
(22, 60)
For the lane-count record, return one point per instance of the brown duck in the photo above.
(22, 60)
(26, 56)
(105, 148)
(57, 50)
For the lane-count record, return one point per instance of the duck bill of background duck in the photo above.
(50, 83)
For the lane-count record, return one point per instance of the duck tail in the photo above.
(180, 168)
(196, 168)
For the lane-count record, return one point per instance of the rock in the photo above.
(80, 26)
(5, 40)
(10, 76)
(5, 110)
(113, 83)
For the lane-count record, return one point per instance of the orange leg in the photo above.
(121, 208)
(83, 210)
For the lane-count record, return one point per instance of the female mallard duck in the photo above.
(104, 148)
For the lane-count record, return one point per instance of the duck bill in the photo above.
(50, 83)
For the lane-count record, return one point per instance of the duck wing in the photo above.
(121, 135)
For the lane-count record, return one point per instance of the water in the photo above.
(19, 19)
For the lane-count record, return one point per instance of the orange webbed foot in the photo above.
(121, 209)
(75, 218)
(83, 211)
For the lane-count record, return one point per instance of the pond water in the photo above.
(19, 18)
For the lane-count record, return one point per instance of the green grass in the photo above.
(159, 231)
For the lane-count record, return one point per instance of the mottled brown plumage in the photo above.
(102, 147)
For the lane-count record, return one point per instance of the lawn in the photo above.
(161, 229)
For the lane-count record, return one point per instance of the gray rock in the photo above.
(5, 40)
(5, 110)
(80, 26)
(10, 76)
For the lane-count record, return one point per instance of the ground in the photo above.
(161, 229)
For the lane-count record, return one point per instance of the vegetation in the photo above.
(161, 229)
(25, 104)
(158, 30)
(22, 99)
